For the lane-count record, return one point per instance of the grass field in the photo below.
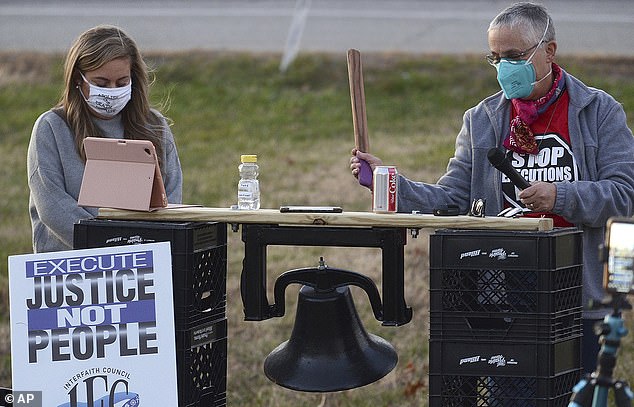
(300, 125)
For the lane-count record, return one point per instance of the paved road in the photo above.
(603, 27)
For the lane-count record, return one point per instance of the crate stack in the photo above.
(505, 318)
(199, 272)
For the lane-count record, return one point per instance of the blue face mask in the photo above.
(517, 77)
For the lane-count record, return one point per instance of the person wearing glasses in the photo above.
(106, 94)
(569, 140)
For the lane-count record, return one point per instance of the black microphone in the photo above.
(499, 161)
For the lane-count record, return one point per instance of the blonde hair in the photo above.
(91, 50)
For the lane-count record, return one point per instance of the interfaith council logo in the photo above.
(98, 387)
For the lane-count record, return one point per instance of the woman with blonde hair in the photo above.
(106, 94)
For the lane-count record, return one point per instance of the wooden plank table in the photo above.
(347, 219)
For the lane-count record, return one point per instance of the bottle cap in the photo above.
(249, 158)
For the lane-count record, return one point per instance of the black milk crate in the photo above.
(201, 355)
(199, 271)
(506, 272)
(501, 391)
(199, 260)
(505, 317)
(466, 373)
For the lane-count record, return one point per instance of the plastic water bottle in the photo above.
(249, 186)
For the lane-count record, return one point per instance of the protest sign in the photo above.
(94, 327)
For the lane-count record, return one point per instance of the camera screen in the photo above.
(619, 275)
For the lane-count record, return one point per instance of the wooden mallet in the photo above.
(359, 119)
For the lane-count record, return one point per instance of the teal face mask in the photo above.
(516, 78)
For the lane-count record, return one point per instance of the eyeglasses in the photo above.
(495, 59)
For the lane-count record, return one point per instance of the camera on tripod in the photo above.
(617, 254)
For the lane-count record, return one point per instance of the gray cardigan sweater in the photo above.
(603, 147)
(55, 170)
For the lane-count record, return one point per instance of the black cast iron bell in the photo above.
(329, 350)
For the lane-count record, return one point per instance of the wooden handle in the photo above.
(357, 99)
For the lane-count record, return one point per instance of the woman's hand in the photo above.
(367, 157)
(539, 197)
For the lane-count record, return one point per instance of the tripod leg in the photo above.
(600, 396)
(582, 394)
(622, 394)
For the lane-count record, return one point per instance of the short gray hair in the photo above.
(531, 18)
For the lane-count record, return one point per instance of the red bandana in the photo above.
(521, 138)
